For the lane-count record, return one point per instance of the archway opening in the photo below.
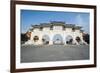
(78, 39)
(45, 39)
(36, 38)
(69, 39)
(57, 39)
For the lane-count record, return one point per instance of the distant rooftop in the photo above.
(56, 23)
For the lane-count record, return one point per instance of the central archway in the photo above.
(45, 39)
(57, 39)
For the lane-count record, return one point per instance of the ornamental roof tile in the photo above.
(56, 23)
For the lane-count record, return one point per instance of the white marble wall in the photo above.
(51, 33)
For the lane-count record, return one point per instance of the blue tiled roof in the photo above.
(56, 23)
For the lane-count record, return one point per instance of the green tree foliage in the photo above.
(86, 38)
(24, 38)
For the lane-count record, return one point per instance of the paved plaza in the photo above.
(45, 53)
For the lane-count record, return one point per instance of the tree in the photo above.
(86, 38)
(24, 38)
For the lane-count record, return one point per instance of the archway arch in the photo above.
(57, 39)
(45, 39)
(69, 39)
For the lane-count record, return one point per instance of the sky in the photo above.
(33, 17)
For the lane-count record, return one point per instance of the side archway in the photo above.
(69, 39)
(45, 39)
(78, 40)
(35, 38)
(57, 39)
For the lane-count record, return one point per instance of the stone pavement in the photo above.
(45, 53)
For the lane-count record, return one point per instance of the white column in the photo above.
(51, 39)
(40, 40)
(84, 41)
(64, 37)
(75, 42)
(50, 42)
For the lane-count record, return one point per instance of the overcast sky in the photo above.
(32, 17)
